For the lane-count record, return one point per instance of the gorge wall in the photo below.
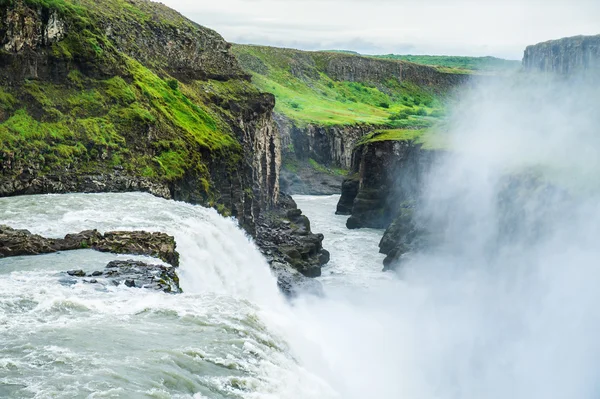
(564, 56)
(386, 177)
(316, 157)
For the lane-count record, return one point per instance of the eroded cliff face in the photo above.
(369, 70)
(565, 56)
(386, 177)
(329, 147)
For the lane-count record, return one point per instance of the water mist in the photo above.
(504, 301)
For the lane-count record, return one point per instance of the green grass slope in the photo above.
(307, 93)
(112, 109)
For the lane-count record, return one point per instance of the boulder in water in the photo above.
(22, 242)
(134, 274)
(284, 236)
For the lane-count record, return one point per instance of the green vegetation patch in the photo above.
(429, 138)
(306, 94)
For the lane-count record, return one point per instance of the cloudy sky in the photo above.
(501, 28)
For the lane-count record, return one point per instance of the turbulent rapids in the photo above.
(220, 339)
(454, 326)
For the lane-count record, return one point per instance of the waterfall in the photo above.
(224, 337)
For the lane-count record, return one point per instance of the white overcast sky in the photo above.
(446, 27)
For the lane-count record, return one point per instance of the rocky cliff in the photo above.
(316, 157)
(386, 177)
(564, 56)
(372, 70)
(128, 95)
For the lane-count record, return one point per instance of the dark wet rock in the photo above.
(401, 237)
(135, 274)
(403, 226)
(385, 175)
(350, 187)
(284, 236)
(158, 245)
(76, 273)
(22, 242)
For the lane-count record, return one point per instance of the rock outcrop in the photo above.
(350, 188)
(285, 237)
(567, 56)
(385, 175)
(22, 242)
(132, 274)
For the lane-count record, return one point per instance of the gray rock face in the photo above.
(133, 274)
(363, 69)
(284, 236)
(328, 145)
(565, 56)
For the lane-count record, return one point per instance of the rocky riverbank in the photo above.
(284, 236)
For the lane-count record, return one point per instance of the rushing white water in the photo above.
(448, 329)
(222, 338)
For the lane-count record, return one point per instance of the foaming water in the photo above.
(222, 338)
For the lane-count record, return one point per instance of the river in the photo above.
(451, 325)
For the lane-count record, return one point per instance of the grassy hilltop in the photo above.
(310, 91)
(105, 94)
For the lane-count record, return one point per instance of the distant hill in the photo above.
(466, 64)
(341, 88)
